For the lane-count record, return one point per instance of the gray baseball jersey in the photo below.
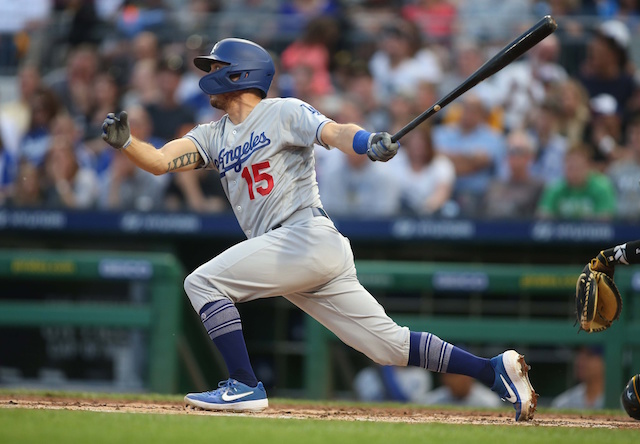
(266, 165)
(267, 170)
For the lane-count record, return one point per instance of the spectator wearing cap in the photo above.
(517, 195)
(604, 133)
(589, 371)
(401, 62)
(606, 69)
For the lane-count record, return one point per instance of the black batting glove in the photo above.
(116, 131)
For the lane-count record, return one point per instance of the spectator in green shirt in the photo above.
(583, 194)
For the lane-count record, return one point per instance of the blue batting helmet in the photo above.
(249, 64)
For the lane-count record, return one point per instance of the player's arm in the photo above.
(627, 253)
(340, 135)
(349, 137)
(177, 155)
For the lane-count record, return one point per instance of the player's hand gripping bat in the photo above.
(508, 54)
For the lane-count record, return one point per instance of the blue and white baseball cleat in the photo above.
(230, 395)
(512, 383)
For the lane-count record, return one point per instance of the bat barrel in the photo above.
(508, 54)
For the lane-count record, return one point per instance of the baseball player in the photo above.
(597, 309)
(263, 151)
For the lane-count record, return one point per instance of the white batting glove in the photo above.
(381, 148)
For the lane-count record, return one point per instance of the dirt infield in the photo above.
(321, 412)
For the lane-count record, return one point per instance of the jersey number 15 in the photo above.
(258, 176)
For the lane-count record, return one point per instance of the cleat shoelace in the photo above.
(227, 386)
(223, 386)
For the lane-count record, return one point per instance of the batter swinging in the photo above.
(263, 151)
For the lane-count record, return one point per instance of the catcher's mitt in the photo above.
(598, 301)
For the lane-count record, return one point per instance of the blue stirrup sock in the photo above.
(222, 321)
(429, 351)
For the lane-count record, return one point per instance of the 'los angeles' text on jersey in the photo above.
(233, 158)
(266, 162)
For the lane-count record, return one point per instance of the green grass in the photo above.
(70, 427)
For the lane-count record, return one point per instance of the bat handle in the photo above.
(415, 122)
(397, 136)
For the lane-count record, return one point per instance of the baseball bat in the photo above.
(508, 54)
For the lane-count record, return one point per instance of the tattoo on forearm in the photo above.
(181, 161)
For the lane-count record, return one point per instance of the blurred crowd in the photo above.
(554, 135)
(585, 387)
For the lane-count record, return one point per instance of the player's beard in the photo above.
(222, 101)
